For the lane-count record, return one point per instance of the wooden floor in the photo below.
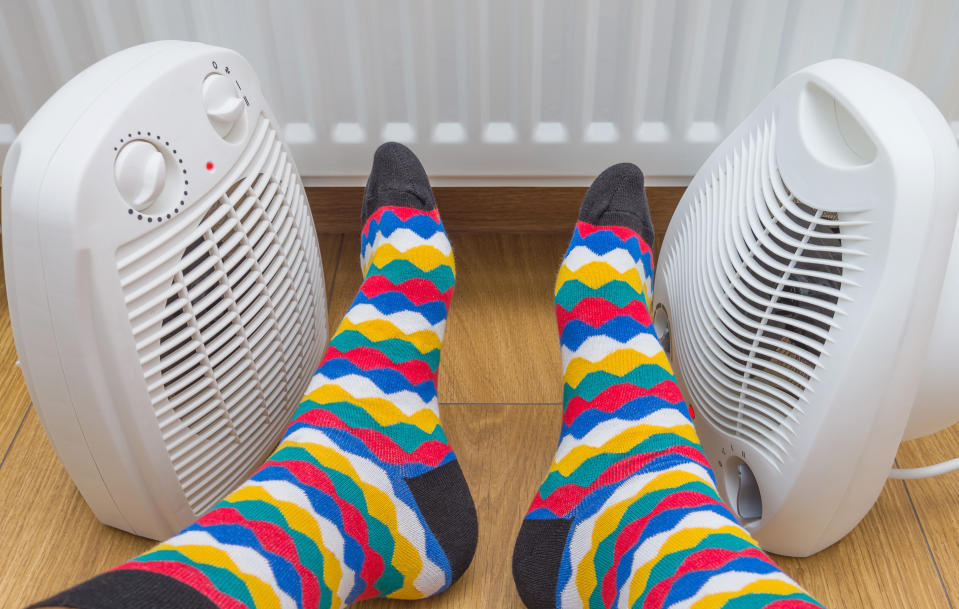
(500, 395)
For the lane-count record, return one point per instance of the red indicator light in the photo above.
(209, 166)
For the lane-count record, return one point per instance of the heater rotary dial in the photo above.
(140, 173)
(224, 107)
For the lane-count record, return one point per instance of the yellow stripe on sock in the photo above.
(618, 363)
(597, 274)
(377, 330)
(381, 507)
(682, 540)
(262, 593)
(618, 444)
(760, 586)
(300, 520)
(424, 257)
(610, 519)
(383, 411)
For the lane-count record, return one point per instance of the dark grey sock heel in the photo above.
(536, 560)
(445, 501)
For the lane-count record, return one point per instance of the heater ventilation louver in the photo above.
(760, 285)
(246, 274)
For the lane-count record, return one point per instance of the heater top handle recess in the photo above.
(150, 195)
(787, 289)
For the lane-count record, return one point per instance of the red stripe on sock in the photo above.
(563, 499)
(586, 229)
(367, 358)
(274, 539)
(418, 290)
(431, 452)
(354, 523)
(791, 603)
(596, 311)
(612, 398)
(188, 575)
(402, 212)
(707, 559)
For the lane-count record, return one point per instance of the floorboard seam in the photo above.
(15, 434)
(925, 539)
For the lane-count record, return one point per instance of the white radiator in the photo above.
(496, 91)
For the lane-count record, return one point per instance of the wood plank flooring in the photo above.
(500, 399)
(13, 393)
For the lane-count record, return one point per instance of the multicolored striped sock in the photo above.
(363, 498)
(628, 515)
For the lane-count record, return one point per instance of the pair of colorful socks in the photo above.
(364, 497)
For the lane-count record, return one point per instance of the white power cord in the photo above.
(914, 473)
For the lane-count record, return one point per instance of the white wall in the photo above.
(496, 91)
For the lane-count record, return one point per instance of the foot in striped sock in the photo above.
(628, 515)
(364, 497)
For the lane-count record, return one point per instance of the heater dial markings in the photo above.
(142, 174)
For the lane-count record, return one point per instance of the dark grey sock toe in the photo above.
(618, 198)
(397, 178)
(447, 505)
(537, 556)
(128, 588)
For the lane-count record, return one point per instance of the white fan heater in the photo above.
(803, 297)
(164, 278)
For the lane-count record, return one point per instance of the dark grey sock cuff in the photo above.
(617, 197)
(129, 589)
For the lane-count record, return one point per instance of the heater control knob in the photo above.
(140, 172)
(223, 106)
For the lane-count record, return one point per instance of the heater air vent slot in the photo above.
(757, 282)
(227, 309)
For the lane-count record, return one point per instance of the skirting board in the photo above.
(518, 209)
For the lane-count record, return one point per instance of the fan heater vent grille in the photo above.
(227, 346)
(756, 285)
